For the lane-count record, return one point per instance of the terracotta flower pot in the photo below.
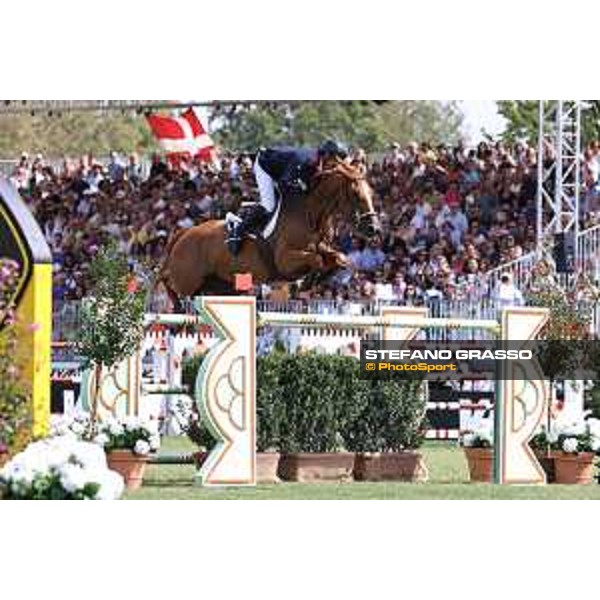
(481, 464)
(315, 466)
(390, 466)
(267, 464)
(546, 459)
(128, 464)
(574, 468)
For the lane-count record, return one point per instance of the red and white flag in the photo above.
(182, 136)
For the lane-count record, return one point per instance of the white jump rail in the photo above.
(367, 321)
(225, 389)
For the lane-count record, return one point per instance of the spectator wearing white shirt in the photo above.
(115, 167)
(507, 294)
(383, 289)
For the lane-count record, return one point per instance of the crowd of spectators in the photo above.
(449, 214)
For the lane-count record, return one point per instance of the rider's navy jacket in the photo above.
(286, 165)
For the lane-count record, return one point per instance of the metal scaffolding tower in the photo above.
(559, 152)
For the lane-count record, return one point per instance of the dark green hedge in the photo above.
(317, 403)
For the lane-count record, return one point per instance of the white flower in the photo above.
(75, 462)
(155, 442)
(111, 486)
(81, 416)
(57, 455)
(594, 426)
(130, 423)
(77, 428)
(59, 425)
(115, 428)
(570, 445)
(575, 428)
(72, 477)
(101, 439)
(90, 455)
(142, 448)
(151, 426)
(469, 440)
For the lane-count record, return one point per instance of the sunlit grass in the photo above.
(448, 480)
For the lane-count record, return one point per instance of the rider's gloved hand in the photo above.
(295, 185)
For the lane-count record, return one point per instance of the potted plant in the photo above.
(15, 414)
(478, 448)
(317, 392)
(128, 443)
(112, 317)
(576, 445)
(60, 468)
(542, 448)
(190, 421)
(563, 346)
(388, 431)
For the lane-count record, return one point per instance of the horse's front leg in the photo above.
(294, 263)
(332, 258)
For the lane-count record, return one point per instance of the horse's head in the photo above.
(362, 199)
(354, 195)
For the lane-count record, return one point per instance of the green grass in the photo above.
(448, 480)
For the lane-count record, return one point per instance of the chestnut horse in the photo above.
(199, 262)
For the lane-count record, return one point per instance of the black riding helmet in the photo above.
(333, 148)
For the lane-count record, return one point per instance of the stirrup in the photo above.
(234, 244)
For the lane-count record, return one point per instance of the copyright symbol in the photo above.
(370, 366)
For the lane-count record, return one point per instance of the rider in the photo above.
(291, 170)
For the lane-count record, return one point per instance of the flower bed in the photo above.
(60, 468)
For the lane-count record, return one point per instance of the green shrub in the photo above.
(392, 418)
(318, 403)
(313, 398)
(270, 410)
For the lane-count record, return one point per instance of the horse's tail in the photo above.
(162, 272)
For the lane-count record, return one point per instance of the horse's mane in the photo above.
(342, 168)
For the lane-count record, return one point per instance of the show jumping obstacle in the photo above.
(22, 240)
(226, 384)
(225, 389)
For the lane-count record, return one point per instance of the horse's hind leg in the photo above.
(178, 305)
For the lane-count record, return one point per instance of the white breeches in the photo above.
(266, 188)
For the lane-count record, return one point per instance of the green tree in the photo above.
(75, 134)
(112, 316)
(371, 125)
(522, 119)
(367, 124)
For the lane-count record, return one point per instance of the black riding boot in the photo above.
(251, 222)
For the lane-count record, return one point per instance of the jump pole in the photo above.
(225, 389)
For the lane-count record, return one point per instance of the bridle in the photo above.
(368, 215)
(349, 197)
